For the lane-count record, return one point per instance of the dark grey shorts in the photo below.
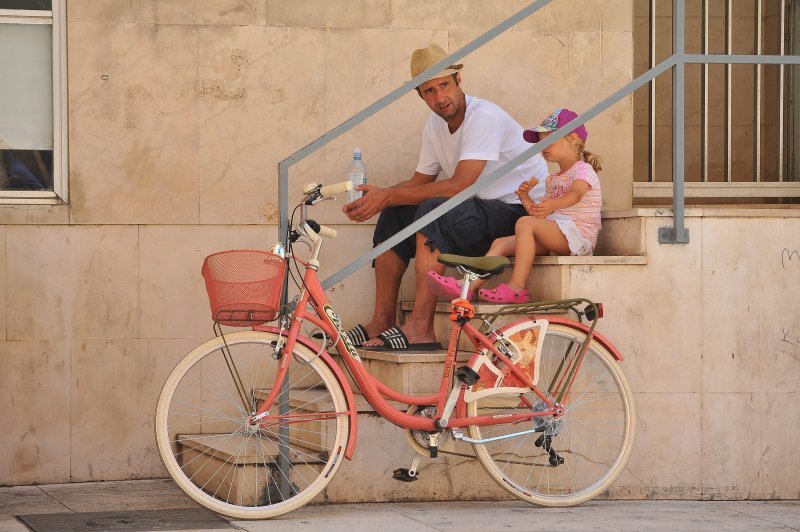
(468, 229)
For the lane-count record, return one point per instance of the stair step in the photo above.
(238, 449)
(307, 400)
(408, 372)
(234, 464)
(550, 278)
(623, 233)
(598, 260)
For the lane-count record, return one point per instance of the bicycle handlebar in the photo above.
(336, 188)
(327, 232)
(321, 230)
(315, 193)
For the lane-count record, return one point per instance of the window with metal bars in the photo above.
(740, 135)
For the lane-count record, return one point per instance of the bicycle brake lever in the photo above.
(319, 199)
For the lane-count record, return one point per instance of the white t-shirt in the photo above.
(489, 134)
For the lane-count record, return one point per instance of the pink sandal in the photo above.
(446, 286)
(505, 295)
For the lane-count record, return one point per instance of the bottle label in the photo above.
(357, 178)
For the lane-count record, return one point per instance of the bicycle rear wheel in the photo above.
(231, 466)
(594, 437)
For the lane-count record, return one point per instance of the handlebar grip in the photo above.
(336, 188)
(327, 232)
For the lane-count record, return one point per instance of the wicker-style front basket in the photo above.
(244, 286)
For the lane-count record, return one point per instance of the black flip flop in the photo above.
(358, 335)
(395, 340)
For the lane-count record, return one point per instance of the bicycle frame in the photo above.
(269, 436)
(377, 393)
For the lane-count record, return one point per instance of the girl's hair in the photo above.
(586, 156)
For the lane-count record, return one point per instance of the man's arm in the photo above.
(413, 191)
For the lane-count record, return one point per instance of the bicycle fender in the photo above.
(602, 340)
(308, 343)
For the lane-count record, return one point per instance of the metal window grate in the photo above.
(740, 120)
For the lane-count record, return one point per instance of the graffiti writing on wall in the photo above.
(789, 338)
(789, 255)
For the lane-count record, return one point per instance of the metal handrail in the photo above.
(677, 234)
(284, 165)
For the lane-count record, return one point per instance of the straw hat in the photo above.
(424, 58)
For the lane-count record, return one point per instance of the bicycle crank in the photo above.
(425, 443)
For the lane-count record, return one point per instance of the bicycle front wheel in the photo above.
(566, 461)
(236, 468)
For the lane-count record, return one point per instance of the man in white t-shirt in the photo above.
(465, 138)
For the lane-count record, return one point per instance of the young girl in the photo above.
(565, 222)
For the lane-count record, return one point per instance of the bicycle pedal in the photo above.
(403, 475)
(554, 459)
(467, 375)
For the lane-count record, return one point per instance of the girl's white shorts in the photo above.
(578, 244)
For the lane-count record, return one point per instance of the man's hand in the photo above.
(373, 201)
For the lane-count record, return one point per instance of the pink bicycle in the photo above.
(254, 424)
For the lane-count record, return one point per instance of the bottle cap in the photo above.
(357, 153)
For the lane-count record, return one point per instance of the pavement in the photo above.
(160, 505)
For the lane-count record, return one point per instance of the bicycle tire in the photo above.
(229, 466)
(594, 437)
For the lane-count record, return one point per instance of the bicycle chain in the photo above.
(512, 462)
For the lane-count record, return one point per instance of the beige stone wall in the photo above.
(712, 345)
(178, 115)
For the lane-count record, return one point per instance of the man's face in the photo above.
(443, 95)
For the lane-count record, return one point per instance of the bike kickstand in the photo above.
(410, 474)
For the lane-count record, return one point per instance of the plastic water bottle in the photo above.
(358, 176)
(279, 250)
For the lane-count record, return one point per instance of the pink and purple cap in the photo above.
(558, 118)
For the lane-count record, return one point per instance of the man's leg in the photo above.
(389, 270)
(419, 325)
(418, 328)
(390, 267)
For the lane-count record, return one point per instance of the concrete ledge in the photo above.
(709, 211)
(599, 260)
(407, 357)
(719, 190)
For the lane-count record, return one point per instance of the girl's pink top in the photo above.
(585, 213)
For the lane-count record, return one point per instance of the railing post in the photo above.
(677, 234)
(284, 485)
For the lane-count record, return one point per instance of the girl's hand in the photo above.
(526, 187)
(542, 209)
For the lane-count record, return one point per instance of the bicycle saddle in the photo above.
(479, 265)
